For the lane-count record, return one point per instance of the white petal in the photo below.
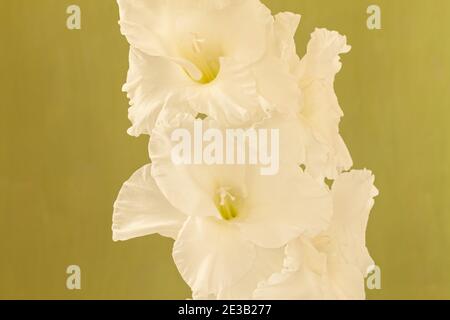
(157, 26)
(143, 22)
(150, 85)
(279, 208)
(353, 194)
(285, 27)
(302, 252)
(243, 26)
(277, 85)
(346, 280)
(267, 262)
(141, 209)
(300, 285)
(320, 107)
(314, 269)
(274, 73)
(232, 98)
(326, 159)
(304, 275)
(301, 277)
(291, 134)
(211, 254)
(322, 61)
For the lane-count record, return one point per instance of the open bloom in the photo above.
(326, 154)
(230, 60)
(223, 265)
(234, 221)
(333, 264)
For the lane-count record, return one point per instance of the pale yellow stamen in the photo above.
(226, 203)
(204, 56)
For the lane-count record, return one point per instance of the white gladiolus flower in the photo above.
(333, 264)
(317, 110)
(326, 153)
(233, 210)
(235, 221)
(267, 214)
(266, 228)
(224, 264)
(230, 60)
(141, 209)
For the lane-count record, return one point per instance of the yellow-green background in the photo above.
(64, 152)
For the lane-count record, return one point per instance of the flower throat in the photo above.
(204, 57)
(226, 203)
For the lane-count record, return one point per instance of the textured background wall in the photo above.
(64, 152)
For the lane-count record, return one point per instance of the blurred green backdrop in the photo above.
(64, 152)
